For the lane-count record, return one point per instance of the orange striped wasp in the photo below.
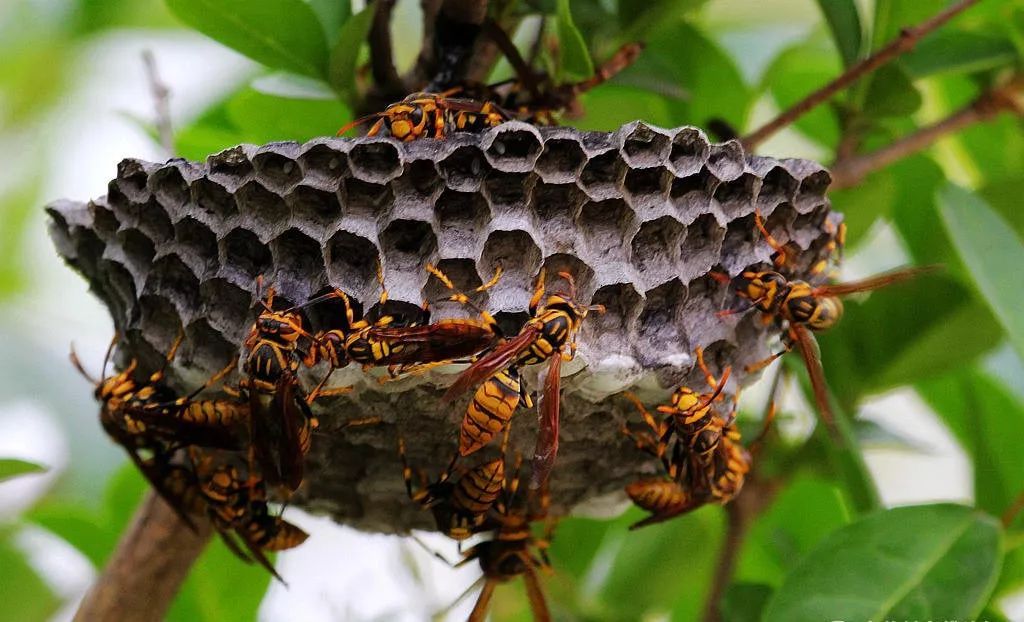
(459, 507)
(431, 115)
(548, 336)
(802, 308)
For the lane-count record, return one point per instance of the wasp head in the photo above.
(406, 121)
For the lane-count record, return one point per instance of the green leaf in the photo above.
(891, 94)
(745, 602)
(332, 14)
(992, 253)
(932, 561)
(293, 86)
(605, 110)
(958, 51)
(844, 22)
(341, 72)
(282, 34)
(263, 118)
(12, 467)
(1004, 197)
(637, 20)
(220, 587)
(574, 61)
(863, 204)
(17, 206)
(901, 335)
(24, 595)
(810, 62)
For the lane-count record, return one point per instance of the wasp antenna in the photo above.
(78, 365)
(352, 124)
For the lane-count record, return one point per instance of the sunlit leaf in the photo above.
(924, 562)
(282, 34)
(992, 253)
(341, 72)
(264, 118)
(574, 61)
(844, 22)
(292, 86)
(332, 14)
(24, 595)
(958, 51)
(891, 94)
(220, 587)
(12, 467)
(794, 73)
(745, 602)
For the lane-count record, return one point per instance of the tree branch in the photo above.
(151, 561)
(852, 170)
(902, 44)
(161, 103)
(382, 62)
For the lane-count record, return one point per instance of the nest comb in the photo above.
(639, 216)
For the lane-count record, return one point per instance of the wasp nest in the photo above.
(639, 216)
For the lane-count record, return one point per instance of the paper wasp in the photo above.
(407, 348)
(802, 308)
(459, 507)
(152, 423)
(281, 421)
(432, 115)
(513, 550)
(548, 336)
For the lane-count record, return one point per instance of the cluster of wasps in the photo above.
(225, 457)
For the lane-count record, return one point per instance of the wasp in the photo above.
(281, 422)
(432, 115)
(803, 308)
(409, 348)
(460, 508)
(549, 336)
(151, 423)
(513, 550)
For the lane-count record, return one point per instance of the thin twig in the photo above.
(740, 514)
(147, 569)
(382, 61)
(902, 44)
(161, 102)
(851, 171)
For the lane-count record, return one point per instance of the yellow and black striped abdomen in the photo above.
(215, 413)
(478, 489)
(658, 495)
(277, 534)
(490, 410)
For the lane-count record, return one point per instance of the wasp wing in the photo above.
(293, 419)
(875, 282)
(441, 341)
(812, 358)
(491, 363)
(548, 406)
(264, 434)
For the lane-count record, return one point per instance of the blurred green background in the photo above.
(929, 375)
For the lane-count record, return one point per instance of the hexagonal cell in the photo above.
(464, 168)
(159, 319)
(813, 187)
(242, 251)
(605, 226)
(778, 185)
(643, 146)
(461, 217)
(561, 161)
(692, 195)
(299, 262)
(365, 200)
(647, 188)
(656, 249)
(407, 244)
(154, 221)
(508, 191)
(198, 243)
(104, 221)
(171, 278)
(170, 189)
(608, 331)
(718, 355)
(223, 303)
(205, 347)
(132, 176)
(580, 272)
(115, 285)
(422, 178)
(741, 241)
(512, 147)
(229, 164)
(520, 258)
(323, 163)
(706, 297)
(375, 162)
(661, 334)
(806, 226)
(725, 160)
(602, 175)
(778, 219)
(213, 199)
(276, 167)
(351, 264)
(690, 150)
(313, 207)
(700, 247)
(736, 197)
(138, 249)
(262, 208)
(465, 277)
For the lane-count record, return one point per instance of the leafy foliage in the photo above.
(817, 550)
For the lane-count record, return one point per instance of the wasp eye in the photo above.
(416, 115)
